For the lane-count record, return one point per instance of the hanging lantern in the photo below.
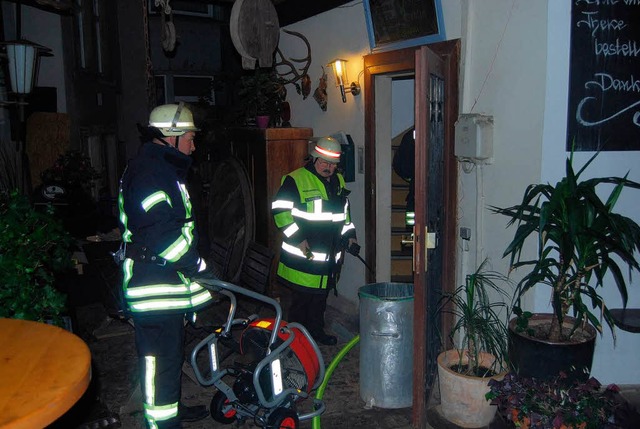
(24, 58)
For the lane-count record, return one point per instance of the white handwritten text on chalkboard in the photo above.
(604, 75)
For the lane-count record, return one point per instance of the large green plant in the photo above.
(479, 323)
(580, 239)
(34, 247)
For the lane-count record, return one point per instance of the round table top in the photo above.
(44, 370)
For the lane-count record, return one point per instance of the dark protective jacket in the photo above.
(403, 165)
(308, 207)
(159, 234)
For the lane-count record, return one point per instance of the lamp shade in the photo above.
(23, 57)
(339, 67)
(339, 71)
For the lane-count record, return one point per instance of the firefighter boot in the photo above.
(192, 413)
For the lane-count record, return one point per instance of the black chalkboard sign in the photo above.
(604, 76)
(395, 24)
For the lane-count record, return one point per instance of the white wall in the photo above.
(504, 76)
(611, 364)
(402, 104)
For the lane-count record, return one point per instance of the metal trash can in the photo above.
(386, 344)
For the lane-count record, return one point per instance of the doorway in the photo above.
(435, 69)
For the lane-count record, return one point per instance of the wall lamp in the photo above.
(340, 74)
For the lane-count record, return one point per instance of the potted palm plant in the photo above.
(580, 239)
(481, 348)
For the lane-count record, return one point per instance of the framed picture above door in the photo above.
(397, 24)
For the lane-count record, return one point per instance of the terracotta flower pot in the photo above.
(463, 397)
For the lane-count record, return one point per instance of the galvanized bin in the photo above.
(386, 344)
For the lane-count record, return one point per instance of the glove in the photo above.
(206, 278)
(354, 249)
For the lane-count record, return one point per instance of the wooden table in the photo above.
(44, 370)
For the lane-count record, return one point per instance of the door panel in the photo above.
(436, 75)
(429, 190)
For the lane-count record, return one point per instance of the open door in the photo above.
(432, 250)
(435, 68)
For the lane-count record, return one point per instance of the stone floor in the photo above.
(113, 398)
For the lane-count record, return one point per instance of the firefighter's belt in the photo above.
(142, 254)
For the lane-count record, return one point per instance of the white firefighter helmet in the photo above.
(328, 149)
(172, 119)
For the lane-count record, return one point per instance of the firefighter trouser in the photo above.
(160, 346)
(308, 310)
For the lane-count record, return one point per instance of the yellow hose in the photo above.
(315, 422)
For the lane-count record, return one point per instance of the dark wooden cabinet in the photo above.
(268, 154)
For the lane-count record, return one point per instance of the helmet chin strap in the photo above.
(166, 143)
(158, 134)
(174, 122)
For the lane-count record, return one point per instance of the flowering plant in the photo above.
(71, 169)
(558, 403)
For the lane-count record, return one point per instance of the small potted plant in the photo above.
(580, 239)
(34, 248)
(480, 349)
(559, 402)
(262, 95)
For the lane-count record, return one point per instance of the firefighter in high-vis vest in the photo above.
(160, 261)
(311, 209)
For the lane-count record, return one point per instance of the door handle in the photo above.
(409, 240)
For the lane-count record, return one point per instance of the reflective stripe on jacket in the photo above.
(155, 212)
(307, 207)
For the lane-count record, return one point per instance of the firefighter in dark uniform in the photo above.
(403, 165)
(161, 263)
(311, 209)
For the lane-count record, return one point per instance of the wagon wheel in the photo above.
(231, 217)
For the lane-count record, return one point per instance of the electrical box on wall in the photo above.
(474, 136)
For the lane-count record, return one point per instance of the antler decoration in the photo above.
(295, 72)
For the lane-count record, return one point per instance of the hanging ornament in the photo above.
(320, 94)
(168, 37)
